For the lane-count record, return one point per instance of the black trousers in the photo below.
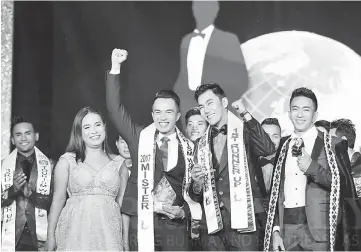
(169, 235)
(229, 239)
(297, 235)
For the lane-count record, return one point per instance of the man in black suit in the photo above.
(167, 165)
(345, 129)
(207, 55)
(223, 232)
(24, 204)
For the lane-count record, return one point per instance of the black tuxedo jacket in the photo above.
(25, 206)
(257, 143)
(223, 63)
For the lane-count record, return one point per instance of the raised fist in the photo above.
(239, 106)
(119, 56)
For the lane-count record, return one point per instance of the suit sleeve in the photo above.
(130, 132)
(8, 196)
(129, 204)
(182, 61)
(117, 112)
(258, 140)
(237, 69)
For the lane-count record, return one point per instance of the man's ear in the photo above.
(225, 102)
(178, 116)
(12, 140)
(315, 116)
(37, 136)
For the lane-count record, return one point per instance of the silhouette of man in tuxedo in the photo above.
(208, 55)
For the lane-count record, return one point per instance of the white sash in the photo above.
(334, 194)
(43, 187)
(242, 208)
(146, 167)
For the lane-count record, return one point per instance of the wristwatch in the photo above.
(244, 113)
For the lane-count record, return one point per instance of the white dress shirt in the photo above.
(172, 149)
(195, 57)
(295, 180)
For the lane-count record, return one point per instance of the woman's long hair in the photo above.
(76, 143)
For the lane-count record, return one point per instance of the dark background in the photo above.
(62, 50)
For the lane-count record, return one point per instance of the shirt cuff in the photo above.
(251, 123)
(12, 194)
(276, 228)
(114, 71)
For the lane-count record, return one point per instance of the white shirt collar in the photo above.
(310, 134)
(171, 137)
(207, 31)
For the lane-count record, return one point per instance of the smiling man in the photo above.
(26, 191)
(312, 186)
(196, 124)
(153, 202)
(223, 178)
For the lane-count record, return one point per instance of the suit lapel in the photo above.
(224, 159)
(211, 49)
(212, 43)
(317, 147)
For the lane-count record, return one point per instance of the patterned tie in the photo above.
(164, 151)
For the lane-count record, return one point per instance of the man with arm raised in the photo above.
(154, 203)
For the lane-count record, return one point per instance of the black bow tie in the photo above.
(222, 130)
(203, 35)
(264, 161)
(29, 159)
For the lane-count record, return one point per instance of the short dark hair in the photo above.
(323, 123)
(214, 87)
(345, 128)
(192, 112)
(305, 92)
(21, 119)
(168, 94)
(271, 121)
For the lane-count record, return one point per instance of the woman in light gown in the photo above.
(90, 218)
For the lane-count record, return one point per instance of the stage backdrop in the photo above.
(62, 50)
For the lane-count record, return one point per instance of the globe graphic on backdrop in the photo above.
(280, 62)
